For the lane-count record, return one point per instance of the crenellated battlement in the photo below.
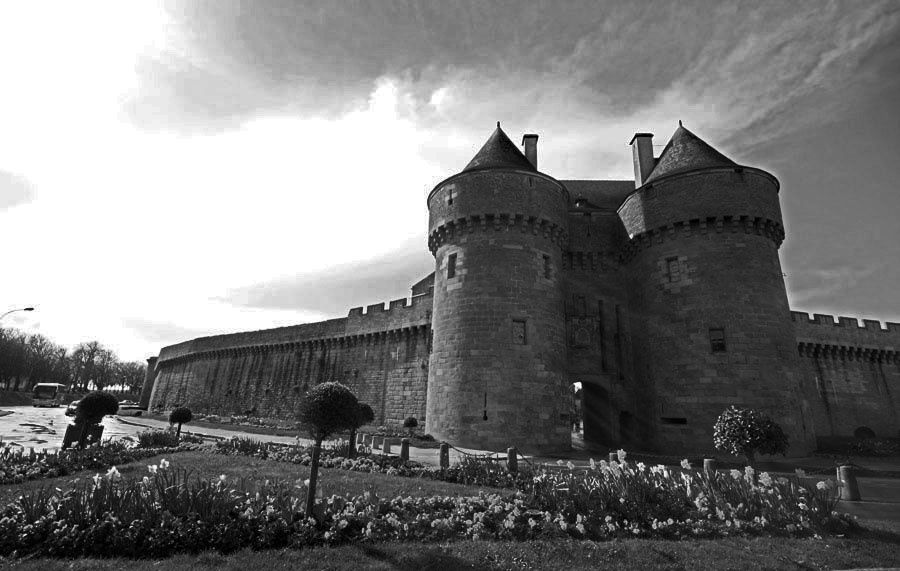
(403, 314)
(827, 335)
(852, 322)
(497, 222)
(399, 313)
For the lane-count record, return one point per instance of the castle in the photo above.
(663, 297)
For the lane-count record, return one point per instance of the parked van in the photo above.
(47, 394)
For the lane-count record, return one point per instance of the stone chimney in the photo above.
(642, 151)
(529, 141)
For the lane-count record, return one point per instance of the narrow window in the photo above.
(451, 194)
(519, 333)
(717, 340)
(451, 266)
(547, 266)
(673, 268)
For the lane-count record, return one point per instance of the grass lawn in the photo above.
(207, 465)
(732, 553)
(878, 546)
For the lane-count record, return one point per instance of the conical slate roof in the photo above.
(686, 152)
(499, 153)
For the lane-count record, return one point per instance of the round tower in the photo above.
(496, 376)
(708, 291)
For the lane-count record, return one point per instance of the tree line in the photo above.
(28, 359)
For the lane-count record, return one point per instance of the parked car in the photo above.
(70, 410)
(129, 408)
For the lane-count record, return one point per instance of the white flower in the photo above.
(569, 465)
(163, 463)
(145, 480)
(800, 472)
(593, 464)
(822, 486)
(736, 474)
(765, 479)
(559, 462)
(641, 466)
(153, 468)
(222, 478)
(97, 479)
(113, 474)
(685, 464)
(621, 454)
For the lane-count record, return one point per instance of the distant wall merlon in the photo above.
(377, 307)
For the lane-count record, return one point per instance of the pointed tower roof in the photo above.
(499, 153)
(686, 152)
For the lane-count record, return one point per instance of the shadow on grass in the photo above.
(421, 560)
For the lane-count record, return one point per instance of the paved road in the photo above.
(42, 428)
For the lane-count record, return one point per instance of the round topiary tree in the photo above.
(89, 412)
(364, 415)
(327, 408)
(179, 416)
(744, 431)
(410, 423)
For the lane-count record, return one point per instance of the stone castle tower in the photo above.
(497, 231)
(707, 285)
(662, 298)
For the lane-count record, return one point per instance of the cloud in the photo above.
(163, 332)
(816, 285)
(14, 190)
(334, 291)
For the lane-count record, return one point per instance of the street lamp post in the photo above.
(15, 310)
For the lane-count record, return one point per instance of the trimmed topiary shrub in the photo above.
(327, 408)
(179, 416)
(89, 412)
(746, 432)
(95, 405)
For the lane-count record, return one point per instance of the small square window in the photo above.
(547, 266)
(717, 340)
(451, 266)
(451, 194)
(673, 269)
(519, 333)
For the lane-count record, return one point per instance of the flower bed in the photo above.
(166, 512)
(15, 468)
(474, 471)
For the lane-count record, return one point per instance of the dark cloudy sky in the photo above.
(172, 170)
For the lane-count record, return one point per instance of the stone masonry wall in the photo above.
(851, 374)
(382, 355)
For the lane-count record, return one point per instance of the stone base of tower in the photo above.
(498, 441)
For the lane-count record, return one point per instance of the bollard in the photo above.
(613, 457)
(849, 486)
(709, 466)
(386, 447)
(404, 449)
(512, 460)
(445, 455)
